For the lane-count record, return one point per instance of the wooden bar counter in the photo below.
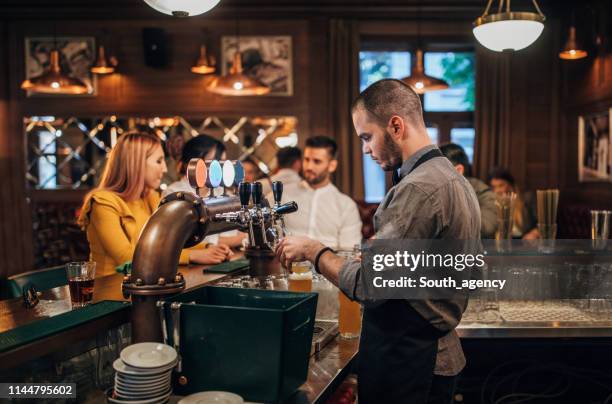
(326, 369)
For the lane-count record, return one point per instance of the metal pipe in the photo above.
(182, 220)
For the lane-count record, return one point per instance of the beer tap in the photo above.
(244, 217)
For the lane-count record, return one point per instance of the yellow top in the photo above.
(113, 227)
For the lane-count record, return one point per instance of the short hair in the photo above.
(389, 97)
(286, 156)
(323, 142)
(501, 173)
(199, 146)
(457, 155)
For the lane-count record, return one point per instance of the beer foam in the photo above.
(300, 276)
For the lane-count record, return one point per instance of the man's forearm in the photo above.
(330, 265)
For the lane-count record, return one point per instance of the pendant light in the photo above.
(102, 66)
(571, 50)
(204, 65)
(507, 30)
(236, 83)
(418, 80)
(182, 8)
(53, 81)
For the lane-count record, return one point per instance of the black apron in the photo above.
(398, 347)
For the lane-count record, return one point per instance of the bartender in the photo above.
(409, 350)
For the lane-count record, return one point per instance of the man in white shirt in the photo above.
(324, 213)
(289, 163)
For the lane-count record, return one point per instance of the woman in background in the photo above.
(525, 221)
(114, 213)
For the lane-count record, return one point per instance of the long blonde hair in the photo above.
(125, 169)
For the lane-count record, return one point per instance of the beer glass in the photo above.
(300, 278)
(349, 317)
(81, 278)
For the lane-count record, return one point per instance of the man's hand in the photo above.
(294, 248)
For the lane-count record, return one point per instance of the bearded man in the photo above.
(409, 351)
(325, 213)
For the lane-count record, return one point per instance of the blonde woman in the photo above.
(114, 213)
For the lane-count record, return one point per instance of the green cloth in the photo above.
(125, 268)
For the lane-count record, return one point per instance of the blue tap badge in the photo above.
(215, 174)
(239, 173)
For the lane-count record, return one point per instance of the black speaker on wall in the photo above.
(155, 44)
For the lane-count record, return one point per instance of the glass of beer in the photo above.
(300, 278)
(349, 318)
(81, 277)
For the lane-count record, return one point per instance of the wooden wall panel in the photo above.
(134, 90)
(586, 88)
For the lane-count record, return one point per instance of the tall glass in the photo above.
(600, 228)
(349, 317)
(505, 214)
(81, 278)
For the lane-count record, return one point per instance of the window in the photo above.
(448, 113)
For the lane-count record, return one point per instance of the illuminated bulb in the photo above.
(55, 84)
(238, 85)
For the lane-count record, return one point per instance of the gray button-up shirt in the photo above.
(431, 202)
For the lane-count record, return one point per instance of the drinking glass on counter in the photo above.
(505, 213)
(547, 203)
(300, 278)
(81, 278)
(349, 317)
(600, 228)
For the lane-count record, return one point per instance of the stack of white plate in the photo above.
(144, 374)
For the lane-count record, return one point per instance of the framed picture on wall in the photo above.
(595, 147)
(77, 55)
(266, 58)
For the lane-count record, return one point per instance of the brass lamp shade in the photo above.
(53, 81)
(236, 83)
(571, 50)
(203, 66)
(102, 66)
(419, 81)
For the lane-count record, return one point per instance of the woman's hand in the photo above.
(213, 254)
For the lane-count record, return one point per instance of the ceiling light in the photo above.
(507, 30)
(236, 83)
(419, 81)
(102, 66)
(571, 50)
(203, 65)
(182, 8)
(52, 81)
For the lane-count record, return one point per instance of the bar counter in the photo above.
(326, 369)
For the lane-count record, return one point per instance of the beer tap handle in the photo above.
(286, 208)
(277, 190)
(244, 190)
(257, 192)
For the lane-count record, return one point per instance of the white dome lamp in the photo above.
(182, 8)
(507, 30)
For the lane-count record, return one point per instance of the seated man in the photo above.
(324, 213)
(486, 197)
(289, 163)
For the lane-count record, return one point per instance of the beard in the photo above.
(390, 155)
(313, 179)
